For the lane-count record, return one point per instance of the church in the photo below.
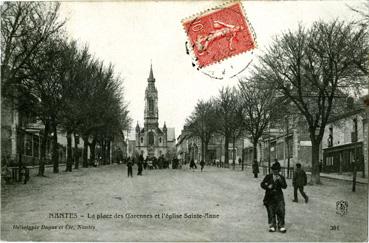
(151, 140)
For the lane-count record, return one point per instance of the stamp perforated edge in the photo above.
(210, 11)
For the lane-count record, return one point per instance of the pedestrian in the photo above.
(24, 173)
(255, 169)
(299, 181)
(192, 164)
(145, 163)
(155, 163)
(129, 166)
(273, 199)
(202, 164)
(140, 164)
(6, 174)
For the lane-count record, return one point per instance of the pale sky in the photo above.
(130, 34)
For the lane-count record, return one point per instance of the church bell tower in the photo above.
(151, 115)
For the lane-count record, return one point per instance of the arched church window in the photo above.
(151, 138)
(159, 140)
(142, 139)
(151, 104)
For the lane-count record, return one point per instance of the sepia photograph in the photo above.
(184, 121)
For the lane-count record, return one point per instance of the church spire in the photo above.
(151, 76)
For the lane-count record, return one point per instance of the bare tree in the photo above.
(203, 124)
(313, 67)
(226, 106)
(363, 12)
(259, 102)
(25, 26)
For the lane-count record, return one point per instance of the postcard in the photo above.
(184, 121)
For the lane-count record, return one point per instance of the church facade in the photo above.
(151, 140)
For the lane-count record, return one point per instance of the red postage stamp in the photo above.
(219, 34)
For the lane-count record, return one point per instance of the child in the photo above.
(274, 200)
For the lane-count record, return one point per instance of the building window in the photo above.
(142, 139)
(330, 137)
(354, 133)
(159, 140)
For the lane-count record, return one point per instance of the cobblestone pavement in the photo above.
(235, 196)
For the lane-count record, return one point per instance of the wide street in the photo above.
(233, 195)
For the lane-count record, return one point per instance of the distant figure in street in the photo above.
(140, 164)
(192, 164)
(155, 162)
(24, 172)
(145, 162)
(161, 161)
(299, 181)
(6, 174)
(255, 169)
(129, 166)
(274, 199)
(202, 164)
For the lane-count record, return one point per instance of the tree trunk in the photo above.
(354, 171)
(233, 152)
(255, 151)
(92, 151)
(226, 143)
(20, 147)
(206, 144)
(41, 168)
(108, 151)
(55, 154)
(315, 176)
(69, 152)
(76, 153)
(85, 148)
(202, 149)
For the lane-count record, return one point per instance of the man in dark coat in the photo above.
(193, 164)
(140, 164)
(273, 199)
(202, 164)
(129, 166)
(298, 182)
(255, 169)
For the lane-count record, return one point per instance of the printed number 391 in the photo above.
(335, 227)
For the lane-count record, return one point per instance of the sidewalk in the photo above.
(359, 178)
(344, 177)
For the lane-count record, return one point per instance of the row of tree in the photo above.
(47, 76)
(309, 72)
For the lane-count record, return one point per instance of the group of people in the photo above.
(193, 164)
(273, 184)
(149, 163)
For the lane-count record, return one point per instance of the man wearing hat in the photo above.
(273, 199)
